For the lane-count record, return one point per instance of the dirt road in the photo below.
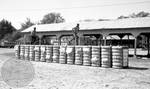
(63, 76)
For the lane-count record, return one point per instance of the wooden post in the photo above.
(135, 44)
(128, 40)
(76, 40)
(40, 39)
(97, 39)
(104, 38)
(135, 34)
(148, 54)
(24, 41)
(59, 39)
(121, 36)
(105, 41)
(79, 39)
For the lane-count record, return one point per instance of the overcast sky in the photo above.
(17, 11)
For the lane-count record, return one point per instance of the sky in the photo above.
(16, 11)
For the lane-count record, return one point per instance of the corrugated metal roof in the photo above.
(118, 23)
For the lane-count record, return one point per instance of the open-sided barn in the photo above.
(132, 32)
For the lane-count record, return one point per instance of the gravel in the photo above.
(64, 76)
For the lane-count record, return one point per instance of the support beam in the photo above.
(24, 41)
(147, 35)
(128, 40)
(97, 41)
(135, 34)
(148, 38)
(105, 39)
(40, 40)
(98, 36)
(100, 41)
(59, 39)
(121, 36)
(148, 54)
(135, 46)
(104, 35)
(80, 39)
(76, 40)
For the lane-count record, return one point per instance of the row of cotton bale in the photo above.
(98, 56)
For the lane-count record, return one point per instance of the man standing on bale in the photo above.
(75, 31)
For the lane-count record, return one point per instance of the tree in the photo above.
(140, 14)
(103, 19)
(16, 35)
(12, 37)
(135, 15)
(87, 20)
(122, 17)
(26, 24)
(52, 18)
(5, 28)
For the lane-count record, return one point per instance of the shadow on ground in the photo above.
(137, 68)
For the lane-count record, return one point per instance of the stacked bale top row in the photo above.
(37, 53)
(96, 56)
(49, 53)
(56, 54)
(78, 55)
(70, 54)
(104, 56)
(87, 55)
(31, 53)
(63, 55)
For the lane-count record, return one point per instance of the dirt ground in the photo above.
(63, 76)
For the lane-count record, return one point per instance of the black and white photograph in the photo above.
(74, 44)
